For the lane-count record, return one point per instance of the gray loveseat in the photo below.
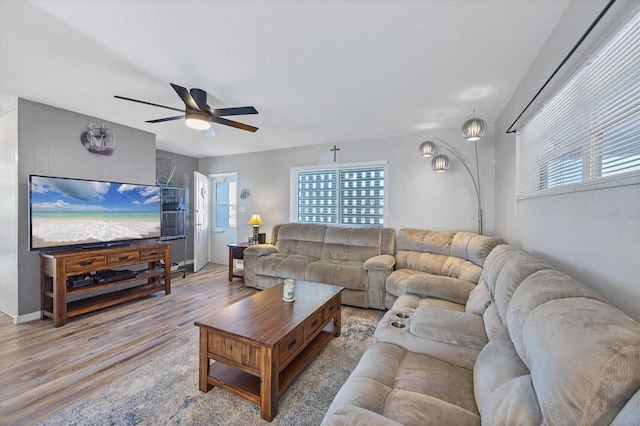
(359, 259)
(536, 347)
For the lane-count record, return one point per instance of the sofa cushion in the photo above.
(349, 415)
(493, 265)
(493, 324)
(283, 265)
(408, 388)
(422, 240)
(446, 288)
(502, 383)
(519, 266)
(583, 377)
(300, 238)
(444, 325)
(403, 328)
(355, 244)
(474, 247)
(539, 288)
(348, 274)
(413, 301)
(479, 299)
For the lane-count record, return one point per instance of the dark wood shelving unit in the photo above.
(57, 267)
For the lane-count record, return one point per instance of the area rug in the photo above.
(165, 391)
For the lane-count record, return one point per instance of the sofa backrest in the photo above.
(453, 254)
(333, 242)
(563, 355)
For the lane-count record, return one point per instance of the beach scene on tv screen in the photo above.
(69, 212)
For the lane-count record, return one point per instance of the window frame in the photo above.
(546, 160)
(338, 167)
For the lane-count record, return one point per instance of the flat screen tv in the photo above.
(76, 212)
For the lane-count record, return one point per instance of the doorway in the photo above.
(224, 215)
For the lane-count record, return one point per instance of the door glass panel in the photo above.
(226, 205)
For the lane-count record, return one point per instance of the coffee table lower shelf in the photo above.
(247, 386)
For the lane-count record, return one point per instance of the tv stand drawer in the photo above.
(121, 259)
(150, 255)
(86, 264)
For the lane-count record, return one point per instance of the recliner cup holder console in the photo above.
(403, 315)
(398, 324)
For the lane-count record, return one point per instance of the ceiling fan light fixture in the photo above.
(197, 120)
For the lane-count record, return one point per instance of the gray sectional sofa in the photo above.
(530, 346)
(359, 259)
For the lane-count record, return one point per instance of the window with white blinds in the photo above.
(588, 133)
(344, 195)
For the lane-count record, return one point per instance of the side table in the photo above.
(236, 251)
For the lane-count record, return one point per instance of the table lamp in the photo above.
(255, 221)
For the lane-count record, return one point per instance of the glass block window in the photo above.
(348, 195)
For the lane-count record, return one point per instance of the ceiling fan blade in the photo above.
(148, 103)
(235, 124)
(161, 120)
(209, 132)
(186, 97)
(223, 112)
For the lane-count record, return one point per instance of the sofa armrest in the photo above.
(447, 288)
(378, 270)
(260, 250)
(445, 325)
(383, 262)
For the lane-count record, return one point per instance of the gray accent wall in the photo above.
(49, 144)
(593, 235)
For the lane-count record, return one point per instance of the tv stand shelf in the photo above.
(57, 267)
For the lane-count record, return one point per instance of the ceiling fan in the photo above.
(199, 115)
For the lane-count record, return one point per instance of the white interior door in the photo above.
(224, 215)
(201, 222)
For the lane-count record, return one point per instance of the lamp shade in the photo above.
(197, 120)
(427, 149)
(473, 129)
(255, 220)
(440, 163)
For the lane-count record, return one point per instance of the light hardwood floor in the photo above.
(44, 369)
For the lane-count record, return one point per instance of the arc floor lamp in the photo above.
(472, 130)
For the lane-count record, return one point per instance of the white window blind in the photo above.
(589, 131)
(347, 195)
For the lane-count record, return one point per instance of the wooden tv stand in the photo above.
(55, 268)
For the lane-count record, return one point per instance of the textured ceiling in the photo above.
(317, 71)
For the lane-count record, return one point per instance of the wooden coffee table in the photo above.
(262, 343)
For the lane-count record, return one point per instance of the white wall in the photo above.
(418, 197)
(9, 209)
(594, 235)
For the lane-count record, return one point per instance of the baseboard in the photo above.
(28, 317)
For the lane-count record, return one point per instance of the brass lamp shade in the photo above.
(255, 220)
